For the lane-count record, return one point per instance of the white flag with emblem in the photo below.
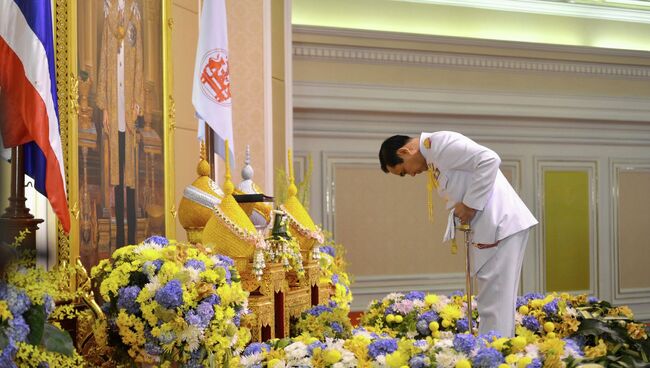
(211, 90)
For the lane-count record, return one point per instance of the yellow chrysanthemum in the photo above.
(596, 351)
(5, 313)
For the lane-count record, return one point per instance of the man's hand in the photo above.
(464, 213)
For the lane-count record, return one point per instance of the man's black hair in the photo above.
(388, 151)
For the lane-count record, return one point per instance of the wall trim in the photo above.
(464, 41)
(371, 55)
(356, 97)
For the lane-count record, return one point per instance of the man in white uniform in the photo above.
(468, 176)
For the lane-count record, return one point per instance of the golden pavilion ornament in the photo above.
(199, 199)
(301, 225)
(230, 232)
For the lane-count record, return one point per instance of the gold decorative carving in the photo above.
(172, 114)
(73, 97)
(262, 314)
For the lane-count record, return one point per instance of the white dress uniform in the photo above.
(468, 172)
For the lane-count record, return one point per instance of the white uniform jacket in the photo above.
(469, 173)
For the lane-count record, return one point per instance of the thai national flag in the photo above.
(28, 101)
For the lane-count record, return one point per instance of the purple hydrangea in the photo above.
(530, 323)
(48, 303)
(318, 310)
(536, 363)
(415, 295)
(457, 293)
(156, 239)
(7, 355)
(151, 268)
(225, 260)
(170, 295)
(314, 345)
(462, 325)
(381, 347)
(464, 343)
(550, 308)
(523, 300)
(3, 290)
(592, 300)
(487, 358)
(419, 361)
(574, 345)
(490, 335)
(18, 329)
(153, 348)
(236, 320)
(18, 301)
(335, 279)
(422, 326)
(328, 249)
(429, 316)
(336, 327)
(195, 264)
(256, 348)
(212, 299)
(126, 299)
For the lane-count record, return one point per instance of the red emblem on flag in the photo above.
(215, 77)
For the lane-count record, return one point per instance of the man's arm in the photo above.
(454, 151)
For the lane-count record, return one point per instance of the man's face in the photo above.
(413, 163)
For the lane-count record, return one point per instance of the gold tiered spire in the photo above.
(199, 198)
(304, 228)
(230, 230)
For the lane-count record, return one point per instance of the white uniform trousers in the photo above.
(498, 284)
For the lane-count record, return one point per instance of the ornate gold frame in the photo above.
(68, 93)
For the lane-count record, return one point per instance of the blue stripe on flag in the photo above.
(38, 14)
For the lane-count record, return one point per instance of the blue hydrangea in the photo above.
(328, 249)
(415, 295)
(551, 308)
(531, 323)
(536, 363)
(464, 343)
(523, 300)
(18, 301)
(574, 345)
(487, 358)
(205, 311)
(429, 316)
(7, 355)
(592, 300)
(490, 336)
(153, 348)
(419, 361)
(256, 348)
(195, 264)
(126, 299)
(457, 293)
(422, 326)
(151, 268)
(212, 299)
(167, 337)
(381, 347)
(170, 295)
(318, 310)
(335, 279)
(156, 239)
(314, 345)
(462, 325)
(236, 320)
(225, 260)
(336, 327)
(43, 365)
(49, 304)
(17, 329)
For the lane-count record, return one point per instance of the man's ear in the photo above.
(404, 150)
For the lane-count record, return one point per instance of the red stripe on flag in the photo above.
(24, 118)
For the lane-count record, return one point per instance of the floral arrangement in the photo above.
(324, 321)
(416, 315)
(27, 297)
(333, 271)
(552, 331)
(170, 303)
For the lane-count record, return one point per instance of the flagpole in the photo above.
(17, 217)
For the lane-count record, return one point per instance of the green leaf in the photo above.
(3, 341)
(57, 340)
(35, 318)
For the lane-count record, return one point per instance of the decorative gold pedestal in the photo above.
(273, 280)
(297, 301)
(261, 320)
